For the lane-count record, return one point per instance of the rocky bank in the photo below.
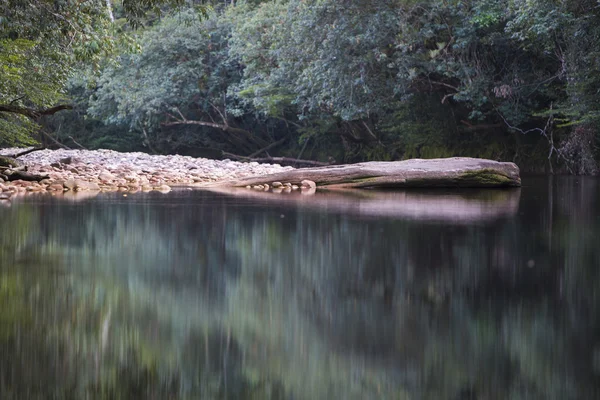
(110, 171)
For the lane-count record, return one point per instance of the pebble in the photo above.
(108, 170)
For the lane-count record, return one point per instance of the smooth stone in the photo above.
(163, 188)
(70, 160)
(308, 183)
(55, 187)
(106, 176)
(70, 184)
(84, 185)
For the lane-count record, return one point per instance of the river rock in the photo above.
(70, 184)
(83, 186)
(70, 160)
(106, 176)
(308, 184)
(55, 187)
(163, 188)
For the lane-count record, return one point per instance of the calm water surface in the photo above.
(407, 295)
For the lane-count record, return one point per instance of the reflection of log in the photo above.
(441, 172)
(457, 207)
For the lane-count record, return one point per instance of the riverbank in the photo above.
(110, 171)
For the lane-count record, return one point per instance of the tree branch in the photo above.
(56, 142)
(279, 160)
(269, 147)
(32, 112)
(17, 155)
(445, 85)
(78, 144)
(201, 123)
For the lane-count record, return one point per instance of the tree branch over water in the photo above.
(32, 112)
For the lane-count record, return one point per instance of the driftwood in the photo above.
(441, 172)
(24, 176)
(25, 152)
(277, 160)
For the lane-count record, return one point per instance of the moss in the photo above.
(486, 177)
(350, 180)
(8, 162)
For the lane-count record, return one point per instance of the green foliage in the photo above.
(171, 69)
(363, 79)
(41, 43)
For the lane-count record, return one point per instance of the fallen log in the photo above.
(24, 176)
(28, 151)
(440, 172)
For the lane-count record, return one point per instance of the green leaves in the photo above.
(43, 41)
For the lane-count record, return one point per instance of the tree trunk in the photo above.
(441, 172)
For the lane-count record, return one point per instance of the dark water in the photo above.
(408, 295)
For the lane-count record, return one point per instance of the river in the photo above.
(440, 294)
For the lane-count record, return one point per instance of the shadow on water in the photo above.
(403, 295)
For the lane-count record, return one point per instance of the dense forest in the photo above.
(327, 80)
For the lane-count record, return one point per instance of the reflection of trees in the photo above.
(207, 296)
(72, 324)
(449, 310)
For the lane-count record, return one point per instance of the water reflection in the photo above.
(464, 206)
(204, 295)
